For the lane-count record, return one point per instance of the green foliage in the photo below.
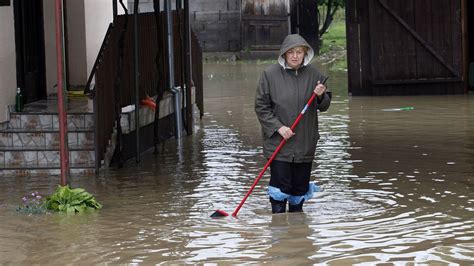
(326, 13)
(69, 200)
(335, 38)
(333, 46)
(337, 3)
(339, 65)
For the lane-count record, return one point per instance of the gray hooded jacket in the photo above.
(281, 95)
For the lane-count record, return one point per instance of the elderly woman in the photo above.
(282, 92)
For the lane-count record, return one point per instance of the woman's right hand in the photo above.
(286, 132)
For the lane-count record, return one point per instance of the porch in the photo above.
(103, 126)
(29, 142)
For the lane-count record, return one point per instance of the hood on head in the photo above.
(291, 41)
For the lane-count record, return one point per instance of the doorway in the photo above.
(29, 44)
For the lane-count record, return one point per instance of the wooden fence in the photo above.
(401, 47)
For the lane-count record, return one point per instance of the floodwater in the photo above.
(397, 187)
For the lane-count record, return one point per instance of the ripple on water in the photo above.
(396, 188)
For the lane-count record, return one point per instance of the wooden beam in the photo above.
(416, 81)
(419, 39)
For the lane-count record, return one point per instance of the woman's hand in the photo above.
(320, 89)
(286, 132)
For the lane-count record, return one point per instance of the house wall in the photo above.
(216, 24)
(77, 54)
(49, 46)
(99, 14)
(7, 61)
(145, 6)
(88, 21)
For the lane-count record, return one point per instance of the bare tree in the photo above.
(328, 8)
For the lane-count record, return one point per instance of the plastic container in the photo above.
(406, 108)
(18, 101)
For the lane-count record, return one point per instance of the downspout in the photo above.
(63, 148)
(175, 90)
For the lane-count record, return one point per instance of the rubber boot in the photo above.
(296, 208)
(278, 206)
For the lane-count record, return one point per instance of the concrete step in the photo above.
(29, 144)
(50, 121)
(43, 158)
(18, 138)
(53, 171)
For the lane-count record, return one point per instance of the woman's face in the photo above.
(294, 57)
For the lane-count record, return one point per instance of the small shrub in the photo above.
(69, 200)
(32, 204)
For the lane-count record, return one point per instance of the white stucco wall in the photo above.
(88, 21)
(77, 55)
(99, 14)
(7, 61)
(49, 45)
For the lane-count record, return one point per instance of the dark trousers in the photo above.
(290, 178)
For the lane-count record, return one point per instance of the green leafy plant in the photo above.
(70, 200)
(32, 204)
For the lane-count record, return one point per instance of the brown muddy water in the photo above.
(397, 187)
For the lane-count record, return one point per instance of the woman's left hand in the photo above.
(320, 89)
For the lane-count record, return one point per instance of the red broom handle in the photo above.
(283, 141)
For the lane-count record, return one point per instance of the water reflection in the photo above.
(396, 187)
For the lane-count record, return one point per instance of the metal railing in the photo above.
(114, 78)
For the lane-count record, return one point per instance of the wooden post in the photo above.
(304, 21)
(136, 80)
(188, 64)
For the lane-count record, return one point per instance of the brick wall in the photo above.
(217, 24)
